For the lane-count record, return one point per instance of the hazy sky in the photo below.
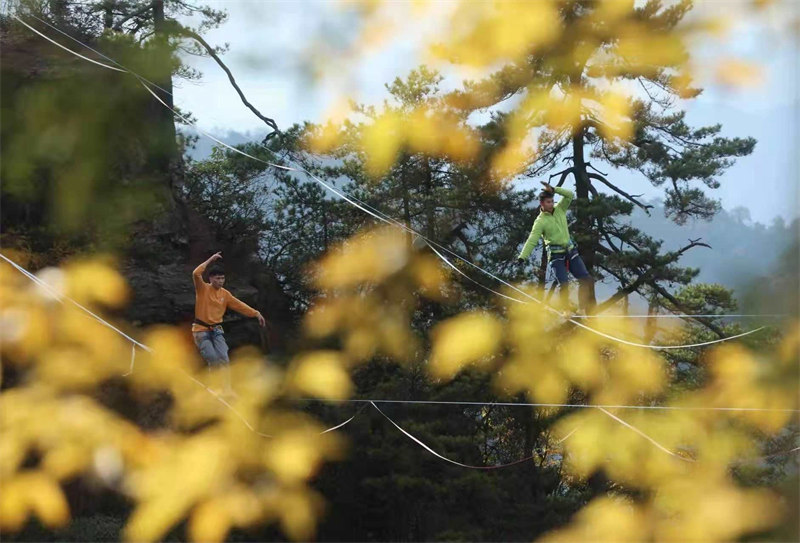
(274, 54)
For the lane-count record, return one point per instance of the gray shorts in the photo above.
(212, 346)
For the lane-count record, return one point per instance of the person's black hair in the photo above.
(216, 270)
(545, 194)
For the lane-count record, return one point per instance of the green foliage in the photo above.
(79, 156)
(390, 489)
(669, 152)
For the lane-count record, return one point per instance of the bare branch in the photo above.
(589, 165)
(693, 243)
(563, 174)
(630, 197)
(191, 34)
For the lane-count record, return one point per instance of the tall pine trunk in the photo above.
(163, 78)
(169, 161)
(108, 15)
(430, 211)
(583, 224)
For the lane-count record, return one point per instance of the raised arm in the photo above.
(197, 274)
(242, 308)
(566, 197)
(533, 239)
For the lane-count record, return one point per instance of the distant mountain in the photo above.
(741, 250)
(203, 147)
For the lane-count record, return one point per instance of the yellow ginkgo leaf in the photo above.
(369, 256)
(13, 509)
(321, 374)
(298, 511)
(616, 110)
(36, 492)
(548, 386)
(66, 462)
(381, 142)
(464, 339)
(93, 281)
(295, 455)
(737, 73)
(209, 522)
(604, 519)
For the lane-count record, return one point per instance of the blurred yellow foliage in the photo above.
(569, 64)
(296, 455)
(206, 475)
(470, 338)
(677, 457)
(206, 465)
(737, 73)
(32, 492)
(604, 520)
(485, 33)
(321, 374)
(423, 129)
(369, 290)
(369, 256)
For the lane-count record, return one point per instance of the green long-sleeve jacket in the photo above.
(552, 226)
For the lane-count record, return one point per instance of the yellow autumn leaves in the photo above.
(425, 129)
(219, 465)
(679, 457)
(206, 465)
(470, 338)
(570, 66)
(368, 284)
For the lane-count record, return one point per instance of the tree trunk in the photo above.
(170, 159)
(430, 214)
(650, 325)
(406, 203)
(585, 234)
(58, 8)
(528, 424)
(108, 15)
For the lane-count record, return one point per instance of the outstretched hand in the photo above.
(215, 256)
(548, 186)
(262, 322)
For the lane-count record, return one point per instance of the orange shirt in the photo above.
(210, 303)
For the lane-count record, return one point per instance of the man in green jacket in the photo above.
(562, 253)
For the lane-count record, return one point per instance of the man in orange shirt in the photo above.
(211, 302)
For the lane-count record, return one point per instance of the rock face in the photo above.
(163, 293)
(134, 206)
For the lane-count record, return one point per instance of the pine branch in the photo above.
(563, 174)
(621, 293)
(644, 279)
(135, 14)
(674, 301)
(630, 197)
(693, 243)
(589, 165)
